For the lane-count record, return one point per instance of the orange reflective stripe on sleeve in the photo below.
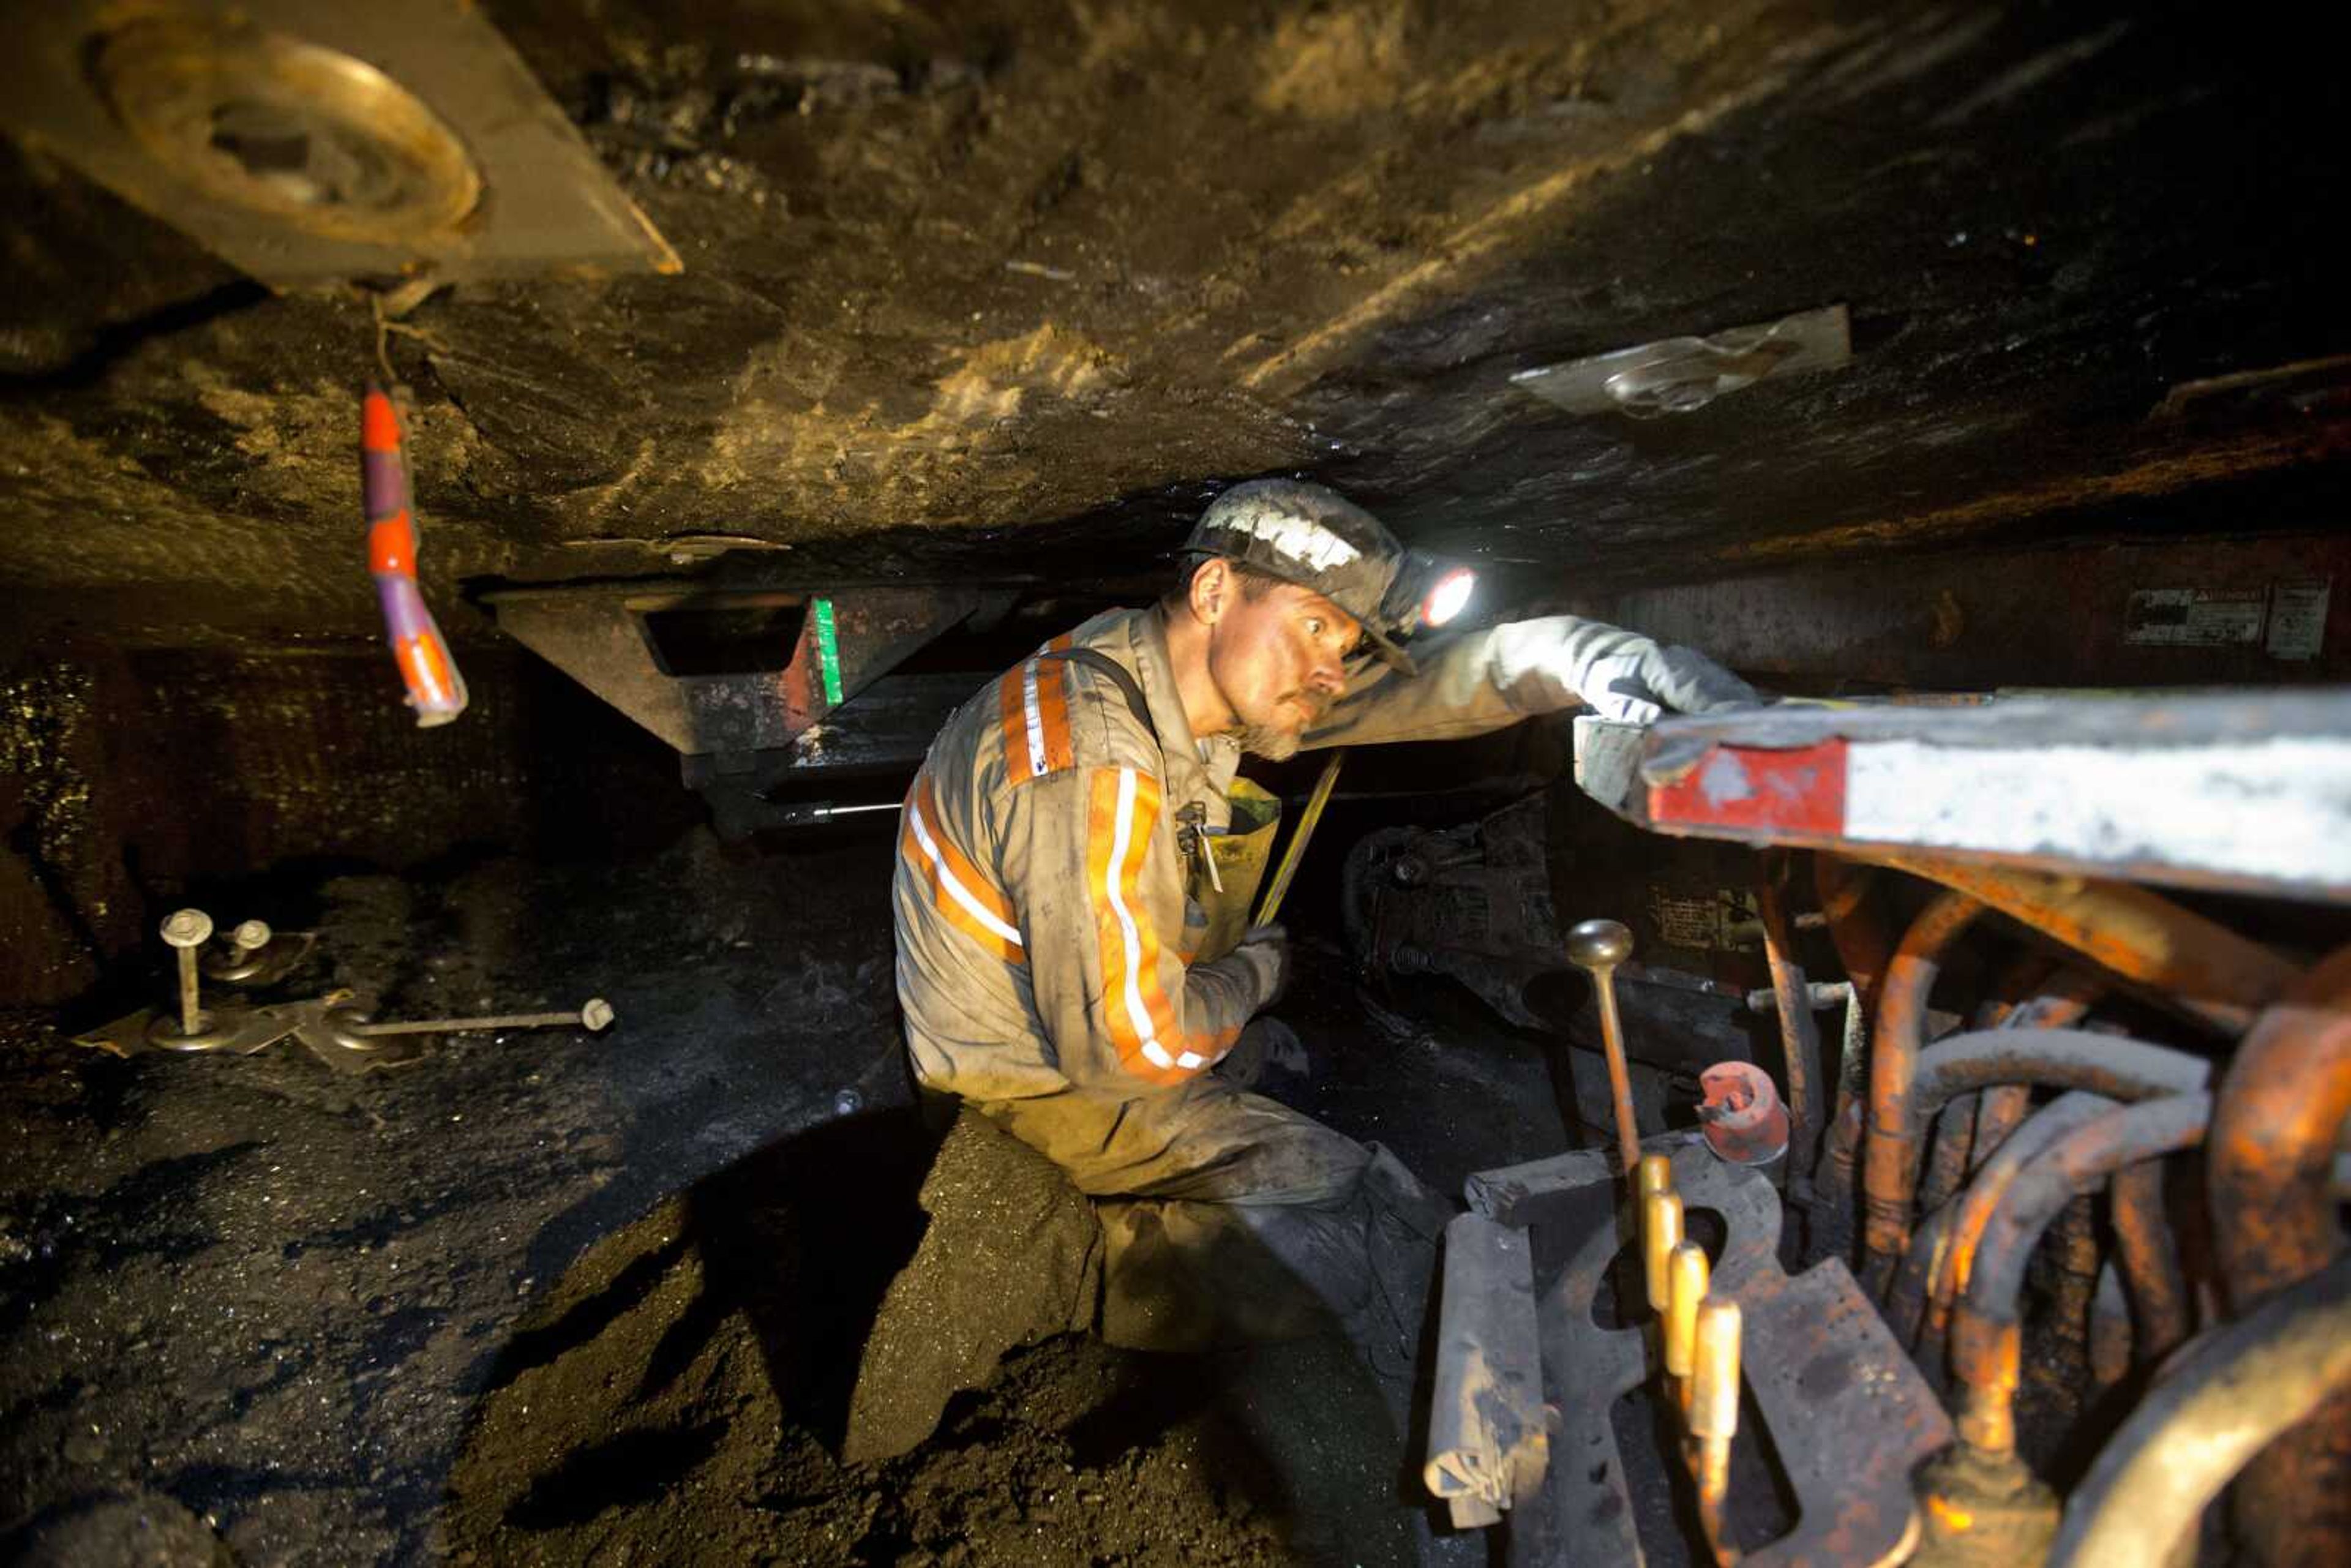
(969, 902)
(1016, 725)
(1033, 698)
(1051, 677)
(1122, 807)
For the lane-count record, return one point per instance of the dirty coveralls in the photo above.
(1069, 969)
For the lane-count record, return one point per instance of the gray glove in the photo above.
(1266, 1045)
(1266, 950)
(1620, 675)
(1638, 682)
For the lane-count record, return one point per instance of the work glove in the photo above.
(1266, 950)
(1641, 684)
(1266, 1046)
(1624, 676)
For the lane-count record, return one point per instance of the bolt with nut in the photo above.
(187, 930)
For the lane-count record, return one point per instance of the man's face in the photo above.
(1278, 660)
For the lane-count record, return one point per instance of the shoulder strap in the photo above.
(1102, 663)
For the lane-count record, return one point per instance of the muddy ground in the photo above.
(561, 1297)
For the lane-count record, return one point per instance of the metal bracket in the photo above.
(599, 634)
(238, 1031)
(1680, 375)
(323, 1027)
(318, 1024)
(264, 966)
(311, 144)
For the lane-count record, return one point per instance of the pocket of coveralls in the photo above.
(1242, 852)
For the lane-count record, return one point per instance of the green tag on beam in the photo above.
(828, 652)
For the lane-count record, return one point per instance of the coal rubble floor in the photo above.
(532, 1299)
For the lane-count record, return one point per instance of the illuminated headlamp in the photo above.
(1425, 592)
(1447, 596)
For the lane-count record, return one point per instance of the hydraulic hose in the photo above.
(2104, 1064)
(2275, 1220)
(1973, 1125)
(1986, 1339)
(1890, 1163)
(2221, 1403)
(1954, 1262)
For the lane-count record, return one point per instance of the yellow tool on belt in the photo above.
(1270, 904)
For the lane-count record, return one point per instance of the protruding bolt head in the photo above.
(251, 934)
(1599, 944)
(595, 1013)
(187, 928)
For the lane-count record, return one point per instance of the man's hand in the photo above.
(1638, 682)
(1620, 675)
(1266, 950)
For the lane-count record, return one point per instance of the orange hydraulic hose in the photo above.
(2172, 951)
(1891, 1161)
(2283, 1102)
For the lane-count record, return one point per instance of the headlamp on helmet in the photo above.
(1425, 592)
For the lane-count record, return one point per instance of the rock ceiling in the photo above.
(1008, 288)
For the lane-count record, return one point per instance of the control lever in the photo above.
(1597, 946)
(1714, 1413)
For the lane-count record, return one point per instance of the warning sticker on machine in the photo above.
(2196, 617)
(2298, 617)
(1723, 918)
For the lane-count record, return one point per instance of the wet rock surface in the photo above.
(554, 1297)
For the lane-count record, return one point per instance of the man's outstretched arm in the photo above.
(1481, 681)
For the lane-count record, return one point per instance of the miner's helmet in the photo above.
(1313, 535)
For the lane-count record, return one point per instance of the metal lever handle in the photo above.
(1714, 1413)
(593, 1015)
(1597, 946)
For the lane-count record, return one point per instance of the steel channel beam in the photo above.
(2245, 610)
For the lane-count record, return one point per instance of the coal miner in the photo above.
(1077, 862)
